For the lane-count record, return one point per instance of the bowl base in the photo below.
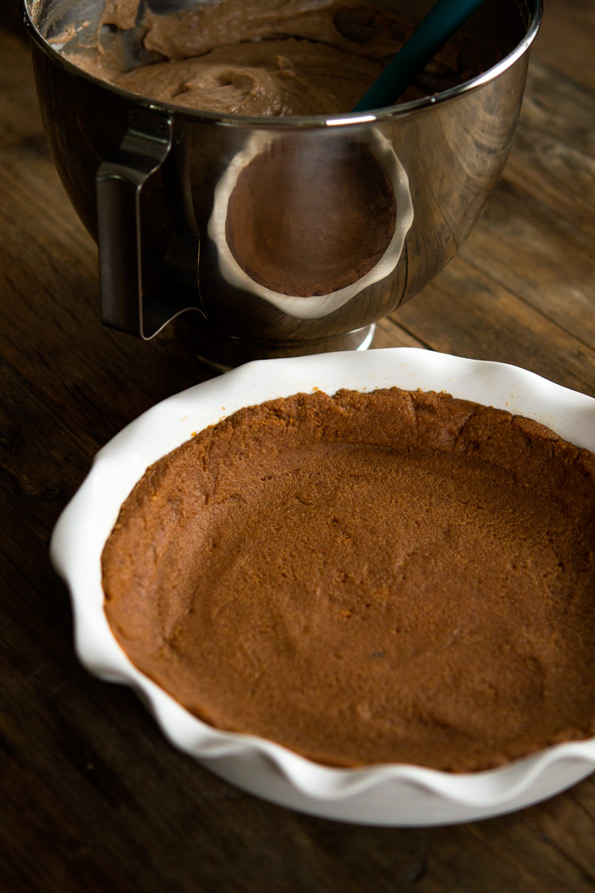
(223, 352)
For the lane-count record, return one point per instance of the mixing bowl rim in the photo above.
(294, 121)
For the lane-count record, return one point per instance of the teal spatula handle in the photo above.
(445, 17)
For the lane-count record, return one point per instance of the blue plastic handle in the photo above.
(445, 17)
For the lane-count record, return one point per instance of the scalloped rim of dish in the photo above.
(391, 794)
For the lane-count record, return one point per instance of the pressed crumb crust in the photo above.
(385, 577)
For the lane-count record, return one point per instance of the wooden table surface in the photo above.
(93, 797)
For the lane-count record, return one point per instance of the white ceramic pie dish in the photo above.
(395, 794)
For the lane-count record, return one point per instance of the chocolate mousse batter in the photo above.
(367, 578)
(272, 57)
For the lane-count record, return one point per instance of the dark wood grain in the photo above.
(93, 798)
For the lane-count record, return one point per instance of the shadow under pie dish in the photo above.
(378, 662)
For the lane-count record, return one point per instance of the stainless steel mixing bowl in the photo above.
(152, 182)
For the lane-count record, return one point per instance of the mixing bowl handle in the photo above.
(146, 145)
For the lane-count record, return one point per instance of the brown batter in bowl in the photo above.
(270, 57)
(385, 577)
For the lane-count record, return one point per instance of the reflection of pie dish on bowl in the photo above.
(309, 224)
(535, 637)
